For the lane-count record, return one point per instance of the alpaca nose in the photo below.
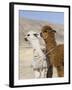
(25, 39)
(41, 34)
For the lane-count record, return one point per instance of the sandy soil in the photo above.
(26, 55)
(25, 69)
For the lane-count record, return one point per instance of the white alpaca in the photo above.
(39, 61)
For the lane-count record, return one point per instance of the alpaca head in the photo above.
(47, 32)
(31, 35)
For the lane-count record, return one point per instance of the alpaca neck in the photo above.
(36, 46)
(50, 43)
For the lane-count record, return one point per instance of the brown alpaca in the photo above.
(55, 52)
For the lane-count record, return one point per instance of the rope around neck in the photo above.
(50, 51)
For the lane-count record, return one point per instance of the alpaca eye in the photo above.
(28, 35)
(45, 31)
(35, 35)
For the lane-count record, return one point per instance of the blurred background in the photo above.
(35, 20)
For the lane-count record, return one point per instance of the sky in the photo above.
(54, 17)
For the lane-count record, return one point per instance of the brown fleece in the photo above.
(56, 56)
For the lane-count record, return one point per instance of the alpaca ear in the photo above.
(54, 31)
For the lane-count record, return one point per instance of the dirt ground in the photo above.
(25, 62)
